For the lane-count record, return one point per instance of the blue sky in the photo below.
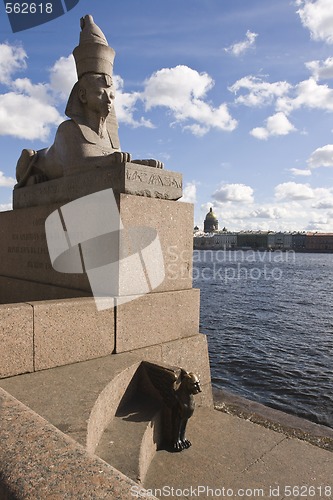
(237, 95)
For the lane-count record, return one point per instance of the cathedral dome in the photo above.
(211, 222)
(211, 214)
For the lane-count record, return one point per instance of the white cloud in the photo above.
(26, 117)
(39, 91)
(268, 213)
(5, 206)
(286, 98)
(182, 90)
(239, 48)
(294, 206)
(27, 110)
(197, 130)
(317, 16)
(277, 124)
(6, 181)
(324, 204)
(321, 70)
(239, 193)
(308, 94)
(12, 59)
(125, 105)
(320, 224)
(172, 86)
(260, 93)
(63, 76)
(294, 191)
(189, 193)
(300, 172)
(321, 157)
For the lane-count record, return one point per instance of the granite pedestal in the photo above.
(61, 324)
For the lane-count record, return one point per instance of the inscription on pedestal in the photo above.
(24, 253)
(127, 178)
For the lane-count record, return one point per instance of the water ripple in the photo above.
(270, 328)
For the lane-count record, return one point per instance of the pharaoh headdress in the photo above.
(92, 55)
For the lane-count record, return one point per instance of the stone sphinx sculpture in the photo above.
(89, 139)
(177, 388)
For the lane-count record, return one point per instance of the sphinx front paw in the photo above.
(120, 157)
(150, 163)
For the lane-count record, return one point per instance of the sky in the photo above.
(237, 95)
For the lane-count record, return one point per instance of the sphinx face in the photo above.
(97, 93)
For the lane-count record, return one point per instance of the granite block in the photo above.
(156, 318)
(13, 290)
(80, 399)
(129, 178)
(189, 353)
(106, 405)
(192, 355)
(71, 330)
(152, 353)
(24, 252)
(173, 222)
(16, 339)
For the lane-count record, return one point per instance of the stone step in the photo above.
(103, 404)
(79, 399)
(130, 441)
(231, 457)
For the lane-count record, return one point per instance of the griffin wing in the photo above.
(165, 379)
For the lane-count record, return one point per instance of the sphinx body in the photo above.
(90, 138)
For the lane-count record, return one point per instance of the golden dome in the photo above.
(211, 214)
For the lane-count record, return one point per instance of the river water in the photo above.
(268, 319)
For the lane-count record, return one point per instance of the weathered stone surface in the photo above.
(192, 355)
(156, 318)
(24, 253)
(71, 330)
(189, 353)
(128, 178)
(14, 290)
(173, 223)
(16, 339)
(39, 461)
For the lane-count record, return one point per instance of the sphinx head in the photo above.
(96, 92)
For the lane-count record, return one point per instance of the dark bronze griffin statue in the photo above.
(176, 387)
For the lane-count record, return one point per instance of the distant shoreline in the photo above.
(246, 249)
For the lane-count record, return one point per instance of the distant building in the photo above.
(298, 241)
(280, 241)
(211, 223)
(215, 241)
(319, 242)
(225, 240)
(263, 240)
(252, 239)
